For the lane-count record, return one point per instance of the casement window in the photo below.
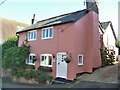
(46, 60)
(80, 59)
(47, 33)
(31, 59)
(32, 35)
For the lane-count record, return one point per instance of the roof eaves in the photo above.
(72, 21)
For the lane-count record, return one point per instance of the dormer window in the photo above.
(47, 33)
(32, 35)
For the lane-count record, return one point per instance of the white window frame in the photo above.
(32, 39)
(47, 55)
(80, 55)
(48, 33)
(31, 54)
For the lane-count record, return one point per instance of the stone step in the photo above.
(61, 81)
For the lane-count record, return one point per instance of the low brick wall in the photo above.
(23, 80)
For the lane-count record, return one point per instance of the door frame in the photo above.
(62, 53)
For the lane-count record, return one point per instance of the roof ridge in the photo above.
(62, 15)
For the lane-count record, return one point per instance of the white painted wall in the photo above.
(0, 31)
(109, 40)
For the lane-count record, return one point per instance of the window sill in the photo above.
(46, 65)
(80, 64)
(32, 40)
(47, 38)
(30, 63)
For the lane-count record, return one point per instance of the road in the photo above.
(83, 84)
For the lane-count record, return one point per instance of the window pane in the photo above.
(28, 35)
(31, 59)
(49, 60)
(45, 60)
(51, 32)
(80, 59)
(31, 35)
(42, 58)
(35, 35)
(46, 32)
(43, 34)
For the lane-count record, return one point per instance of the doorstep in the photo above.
(61, 81)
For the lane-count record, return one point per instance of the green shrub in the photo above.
(108, 57)
(15, 57)
(11, 42)
(45, 69)
(117, 43)
(40, 78)
(48, 77)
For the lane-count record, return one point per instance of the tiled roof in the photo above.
(66, 18)
(105, 25)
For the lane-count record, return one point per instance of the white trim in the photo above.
(30, 63)
(32, 39)
(31, 54)
(78, 59)
(48, 33)
(47, 59)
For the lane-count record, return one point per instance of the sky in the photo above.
(23, 10)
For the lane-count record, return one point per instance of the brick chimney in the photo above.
(33, 19)
(92, 6)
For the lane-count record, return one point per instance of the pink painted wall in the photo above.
(63, 41)
(81, 37)
(86, 40)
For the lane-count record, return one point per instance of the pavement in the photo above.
(108, 74)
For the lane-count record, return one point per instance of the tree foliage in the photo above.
(15, 57)
(11, 42)
(117, 43)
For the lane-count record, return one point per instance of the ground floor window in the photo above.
(31, 59)
(80, 59)
(46, 60)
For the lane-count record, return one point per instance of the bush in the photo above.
(15, 57)
(11, 42)
(117, 43)
(40, 78)
(45, 69)
(108, 57)
(48, 77)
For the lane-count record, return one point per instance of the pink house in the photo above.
(74, 34)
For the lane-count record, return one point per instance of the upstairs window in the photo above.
(80, 59)
(32, 35)
(47, 33)
(46, 60)
(31, 59)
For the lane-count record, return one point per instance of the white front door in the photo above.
(61, 65)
